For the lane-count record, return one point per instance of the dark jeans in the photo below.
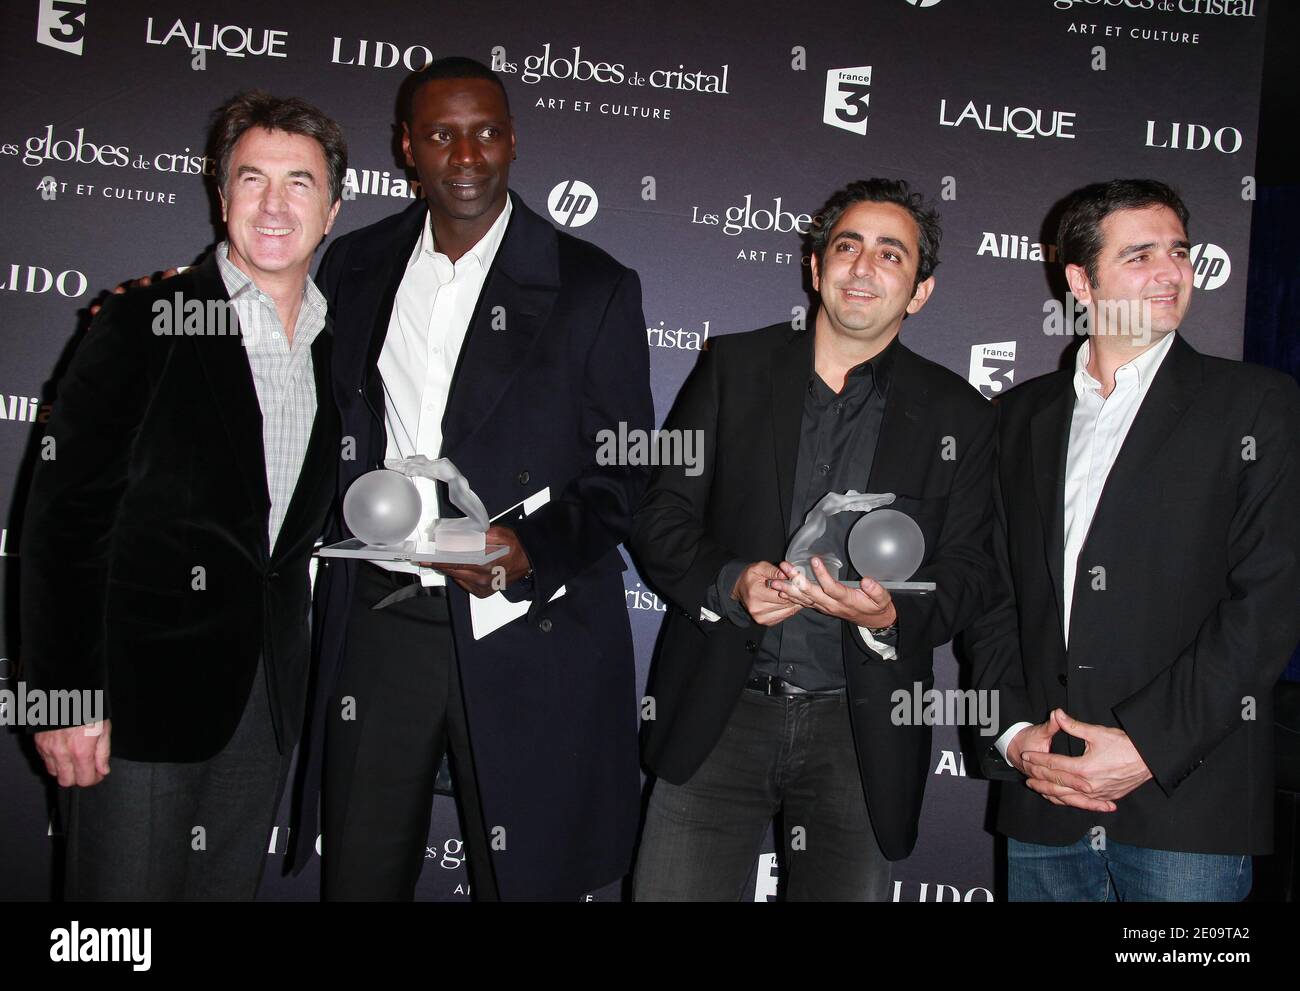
(792, 754)
(400, 672)
(1097, 869)
(180, 832)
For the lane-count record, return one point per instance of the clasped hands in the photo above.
(772, 593)
(1109, 769)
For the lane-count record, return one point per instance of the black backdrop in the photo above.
(702, 137)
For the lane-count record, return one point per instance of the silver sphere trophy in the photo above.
(382, 508)
(885, 544)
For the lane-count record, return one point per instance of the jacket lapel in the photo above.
(374, 278)
(1171, 392)
(905, 413)
(230, 378)
(513, 307)
(320, 445)
(1049, 438)
(792, 366)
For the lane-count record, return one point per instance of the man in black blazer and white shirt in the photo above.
(193, 446)
(469, 328)
(772, 694)
(1148, 540)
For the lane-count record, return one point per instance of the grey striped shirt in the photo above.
(283, 376)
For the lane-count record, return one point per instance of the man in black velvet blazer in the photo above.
(540, 716)
(1148, 540)
(788, 701)
(186, 473)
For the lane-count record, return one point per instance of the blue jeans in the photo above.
(1098, 869)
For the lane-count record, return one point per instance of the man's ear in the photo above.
(221, 195)
(920, 295)
(816, 272)
(406, 145)
(1077, 278)
(334, 212)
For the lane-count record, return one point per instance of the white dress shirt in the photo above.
(430, 318)
(1097, 431)
(283, 376)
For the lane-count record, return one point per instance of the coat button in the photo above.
(523, 478)
(1062, 679)
(750, 645)
(273, 575)
(544, 626)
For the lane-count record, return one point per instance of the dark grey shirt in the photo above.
(837, 442)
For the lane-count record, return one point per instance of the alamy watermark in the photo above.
(919, 706)
(1104, 317)
(61, 707)
(651, 448)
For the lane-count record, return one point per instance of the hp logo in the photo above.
(573, 203)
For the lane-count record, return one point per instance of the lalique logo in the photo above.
(229, 39)
(1023, 122)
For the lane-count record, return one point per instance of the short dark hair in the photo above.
(451, 67)
(257, 108)
(896, 191)
(1078, 236)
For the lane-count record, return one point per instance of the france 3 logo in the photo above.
(61, 24)
(992, 367)
(848, 97)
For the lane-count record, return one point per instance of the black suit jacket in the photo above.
(1198, 533)
(158, 470)
(551, 697)
(746, 395)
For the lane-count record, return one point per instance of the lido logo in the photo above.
(61, 24)
(573, 203)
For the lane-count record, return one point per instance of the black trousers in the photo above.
(397, 709)
(793, 756)
(180, 832)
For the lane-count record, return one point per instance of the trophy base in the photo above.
(916, 588)
(413, 551)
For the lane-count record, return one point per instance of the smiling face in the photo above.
(276, 204)
(866, 277)
(1144, 275)
(460, 142)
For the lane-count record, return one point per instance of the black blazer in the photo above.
(158, 470)
(1200, 543)
(746, 394)
(551, 697)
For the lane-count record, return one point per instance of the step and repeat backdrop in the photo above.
(692, 141)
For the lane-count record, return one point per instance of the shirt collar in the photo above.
(872, 373)
(483, 252)
(1143, 367)
(240, 285)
